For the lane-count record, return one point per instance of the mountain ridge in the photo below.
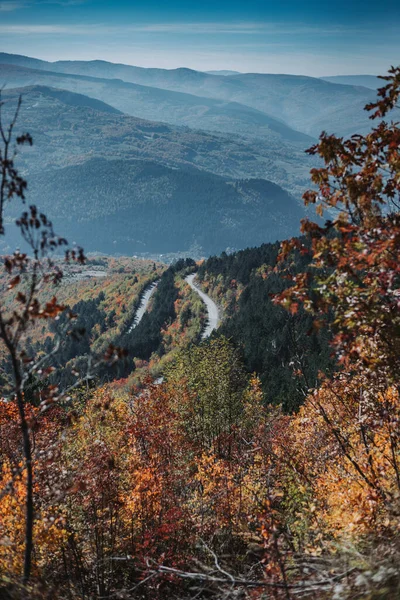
(149, 102)
(137, 206)
(299, 101)
(67, 134)
(367, 81)
(126, 185)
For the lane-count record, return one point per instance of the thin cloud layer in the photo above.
(199, 28)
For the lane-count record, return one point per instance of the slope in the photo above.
(368, 81)
(69, 129)
(136, 206)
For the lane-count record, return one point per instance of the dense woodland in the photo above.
(147, 338)
(274, 344)
(266, 464)
(159, 209)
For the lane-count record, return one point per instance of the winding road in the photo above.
(213, 318)
(144, 302)
(212, 309)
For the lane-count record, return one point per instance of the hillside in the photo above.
(125, 185)
(273, 344)
(70, 129)
(137, 206)
(222, 72)
(64, 97)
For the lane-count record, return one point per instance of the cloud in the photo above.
(11, 5)
(53, 29)
(237, 28)
(192, 28)
(199, 28)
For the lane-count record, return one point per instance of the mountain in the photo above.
(65, 97)
(368, 81)
(223, 72)
(22, 61)
(125, 185)
(138, 206)
(303, 103)
(109, 155)
(159, 104)
(69, 129)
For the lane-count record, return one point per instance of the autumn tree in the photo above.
(329, 514)
(213, 378)
(26, 276)
(356, 253)
(344, 444)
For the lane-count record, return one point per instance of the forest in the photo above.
(273, 343)
(266, 463)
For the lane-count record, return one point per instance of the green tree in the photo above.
(213, 379)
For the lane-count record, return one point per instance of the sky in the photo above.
(313, 38)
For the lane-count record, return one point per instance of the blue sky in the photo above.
(292, 36)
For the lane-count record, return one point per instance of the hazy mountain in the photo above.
(223, 72)
(22, 61)
(62, 96)
(368, 81)
(81, 172)
(69, 129)
(301, 102)
(136, 206)
(134, 184)
(159, 104)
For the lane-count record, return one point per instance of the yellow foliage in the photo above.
(343, 444)
(48, 534)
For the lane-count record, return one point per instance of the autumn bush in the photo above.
(136, 486)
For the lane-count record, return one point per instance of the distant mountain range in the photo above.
(86, 171)
(136, 206)
(223, 72)
(160, 104)
(305, 104)
(149, 207)
(135, 160)
(368, 81)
